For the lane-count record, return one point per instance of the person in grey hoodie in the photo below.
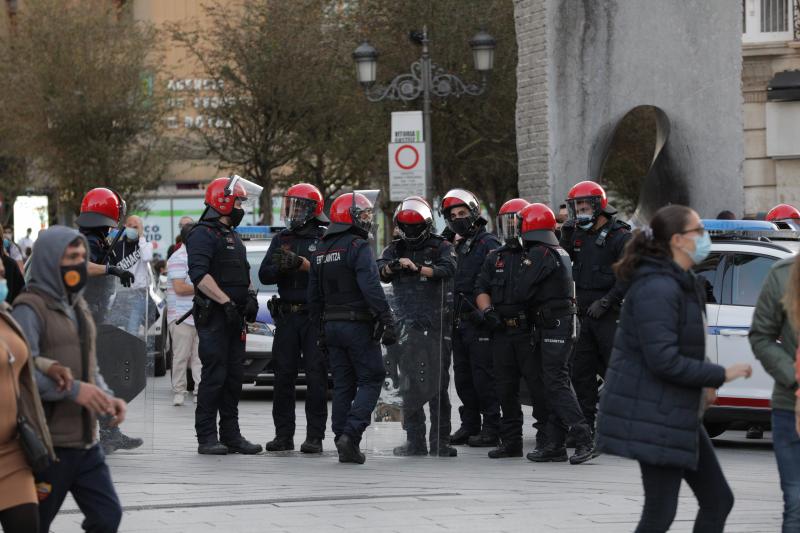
(59, 327)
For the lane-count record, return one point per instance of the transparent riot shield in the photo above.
(412, 417)
(127, 322)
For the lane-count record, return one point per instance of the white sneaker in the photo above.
(195, 398)
(177, 399)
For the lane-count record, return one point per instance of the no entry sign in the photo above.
(406, 170)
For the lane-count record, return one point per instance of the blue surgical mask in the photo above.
(3, 290)
(6, 244)
(131, 234)
(702, 247)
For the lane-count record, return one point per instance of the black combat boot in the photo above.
(442, 448)
(547, 454)
(212, 448)
(280, 444)
(584, 444)
(460, 437)
(507, 448)
(415, 445)
(483, 440)
(311, 445)
(348, 450)
(243, 446)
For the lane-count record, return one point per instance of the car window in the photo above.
(255, 258)
(747, 274)
(708, 271)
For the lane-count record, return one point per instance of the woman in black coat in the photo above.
(658, 381)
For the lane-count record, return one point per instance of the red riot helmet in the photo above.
(456, 198)
(783, 212)
(414, 219)
(301, 203)
(355, 209)
(222, 193)
(538, 224)
(101, 208)
(591, 193)
(508, 219)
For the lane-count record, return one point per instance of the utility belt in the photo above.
(278, 308)
(513, 317)
(202, 309)
(340, 312)
(547, 315)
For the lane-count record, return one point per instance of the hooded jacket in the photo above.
(59, 328)
(650, 407)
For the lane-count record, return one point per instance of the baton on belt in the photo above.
(185, 316)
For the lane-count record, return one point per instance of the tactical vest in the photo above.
(471, 254)
(229, 266)
(556, 292)
(592, 262)
(509, 270)
(292, 285)
(337, 280)
(71, 426)
(417, 297)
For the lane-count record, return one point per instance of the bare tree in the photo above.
(79, 99)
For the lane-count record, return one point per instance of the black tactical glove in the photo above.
(286, 260)
(448, 234)
(125, 277)
(598, 308)
(385, 329)
(395, 267)
(389, 336)
(567, 230)
(492, 318)
(251, 307)
(232, 316)
(476, 317)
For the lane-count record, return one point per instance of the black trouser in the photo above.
(85, 475)
(553, 350)
(592, 353)
(439, 407)
(295, 334)
(662, 484)
(514, 360)
(23, 517)
(221, 349)
(474, 377)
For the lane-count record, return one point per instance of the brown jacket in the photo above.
(30, 404)
(71, 425)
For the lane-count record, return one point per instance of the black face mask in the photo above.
(462, 226)
(237, 214)
(74, 277)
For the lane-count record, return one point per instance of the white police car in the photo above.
(742, 253)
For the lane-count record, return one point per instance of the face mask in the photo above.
(3, 290)
(6, 243)
(584, 221)
(237, 214)
(131, 234)
(702, 247)
(462, 226)
(162, 279)
(74, 277)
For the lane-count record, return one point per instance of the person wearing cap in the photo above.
(286, 264)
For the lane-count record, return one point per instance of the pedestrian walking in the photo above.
(59, 327)
(658, 379)
(773, 337)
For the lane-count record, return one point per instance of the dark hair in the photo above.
(726, 215)
(652, 241)
(562, 206)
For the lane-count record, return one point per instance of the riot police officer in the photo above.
(287, 263)
(223, 300)
(505, 308)
(418, 265)
(548, 286)
(472, 353)
(101, 210)
(594, 239)
(346, 299)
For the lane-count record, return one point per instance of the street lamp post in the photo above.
(425, 79)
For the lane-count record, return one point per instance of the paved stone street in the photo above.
(169, 488)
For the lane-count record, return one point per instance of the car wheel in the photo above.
(715, 429)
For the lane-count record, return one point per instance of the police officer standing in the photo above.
(472, 352)
(550, 290)
(418, 265)
(345, 296)
(287, 263)
(505, 308)
(594, 240)
(220, 272)
(101, 210)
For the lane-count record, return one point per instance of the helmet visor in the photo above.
(363, 216)
(584, 209)
(509, 226)
(297, 211)
(245, 190)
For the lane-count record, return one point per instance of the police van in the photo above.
(742, 253)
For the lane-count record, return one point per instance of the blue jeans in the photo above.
(358, 374)
(786, 444)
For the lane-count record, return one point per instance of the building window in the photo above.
(767, 20)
